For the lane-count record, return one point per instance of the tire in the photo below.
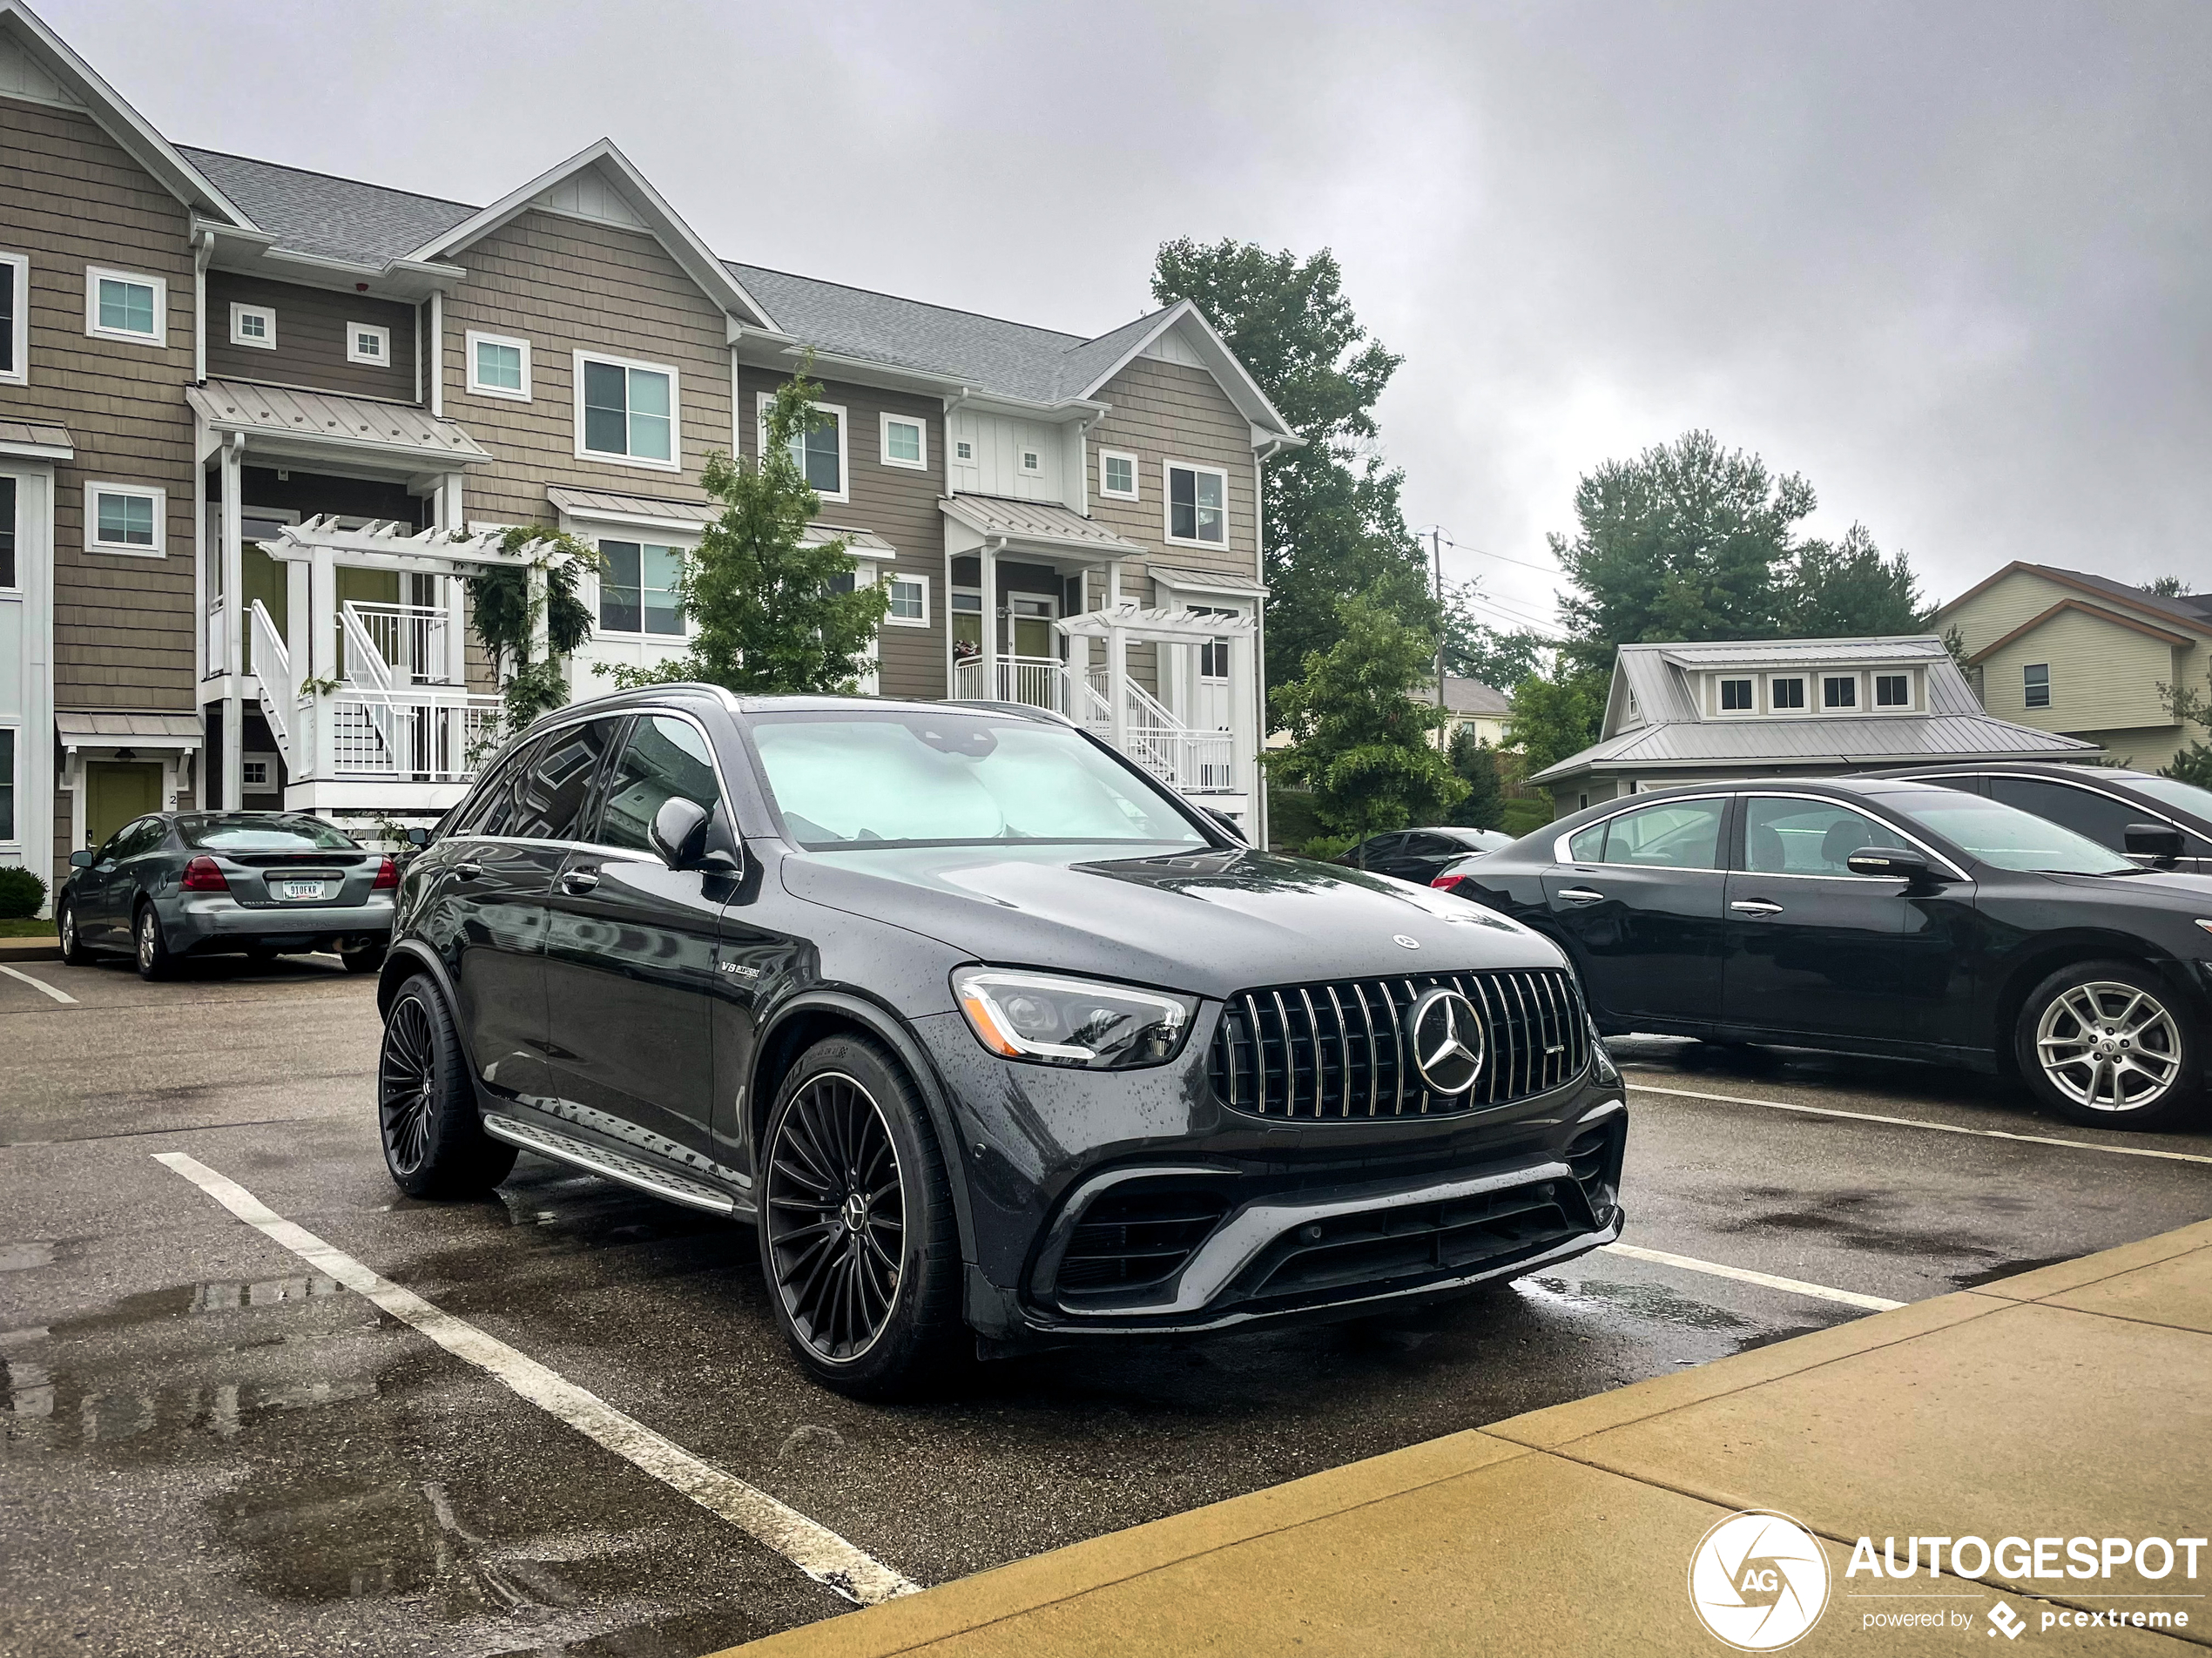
(75, 952)
(368, 959)
(869, 1301)
(2110, 1045)
(434, 1143)
(151, 946)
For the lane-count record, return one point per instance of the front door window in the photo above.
(1029, 625)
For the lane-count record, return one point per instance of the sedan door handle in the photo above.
(1755, 907)
(1580, 895)
(577, 882)
(467, 872)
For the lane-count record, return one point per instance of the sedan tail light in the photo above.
(387, 876)
(1449, 882)
(203, 875)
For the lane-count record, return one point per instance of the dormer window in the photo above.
(1892, 691)
(1736, 696)
(1786, 694)
(1839, 691)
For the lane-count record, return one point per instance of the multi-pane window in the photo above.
(1736, 696)
(254, 325)
(126, 521)
(1786, 693)
(1197, 505)
(909, 601)
(640, 588)
(7, 577)
(499, 367)
(1892, 691)
(7, 783)
(629, 411)
(819, 451)
(902, 442)
(368, 342)
(1839, 691)
(1117, 475)
(123, 518)
(1213, 655)
(127, 305)
(15, 314)
(2036, 680)
(1032, 462)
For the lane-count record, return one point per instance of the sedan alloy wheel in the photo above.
(2109, 1046)
(835, 1217)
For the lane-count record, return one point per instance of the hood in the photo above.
(1211, 923)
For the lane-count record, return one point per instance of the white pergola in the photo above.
(1119, 625)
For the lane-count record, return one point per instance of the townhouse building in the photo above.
(255, 423)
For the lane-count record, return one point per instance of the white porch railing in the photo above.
(273, 661)
(394, 734)
(1039, 682)
(411, 638)
(1192, 761)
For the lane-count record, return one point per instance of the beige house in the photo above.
(2084, 654)
(1471, 705)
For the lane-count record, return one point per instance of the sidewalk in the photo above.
(2075, 1400)
(45, 949)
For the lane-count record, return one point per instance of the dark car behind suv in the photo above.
(991, 1036)
(2159, 820)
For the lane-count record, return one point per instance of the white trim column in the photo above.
(1244, 725)
(299, 645)
(27, 682)
(233, 552)
(988, 570)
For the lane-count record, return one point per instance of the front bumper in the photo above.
(215, 920)
(1129, 1203)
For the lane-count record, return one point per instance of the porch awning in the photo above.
(278, 420)
(689, 517)
(1040, 527)
(1158, 624)
(106, 728)
(387, 545)
(36, 441)
(1180, 579)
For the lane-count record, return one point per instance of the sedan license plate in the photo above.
(304, 888)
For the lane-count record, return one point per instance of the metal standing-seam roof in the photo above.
(47, 437)
(1037, 523)
(303, 417)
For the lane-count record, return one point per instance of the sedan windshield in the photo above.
(890, 778)
(2006, 836)
(2174, 792)
(259, 832)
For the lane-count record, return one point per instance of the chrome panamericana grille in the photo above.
(1338, 1051)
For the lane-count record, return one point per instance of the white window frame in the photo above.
(20, 374)
(240, 312)
(354, 353)
(1722, 682)
(1874, 687)
(1033, 462)
(685, 551)
(2026, 686)
(964, 450)
(94, 488)
(894, 577)
(93, 275)
(475, 388)
(1775, 706)
(1135, 475)
(761, 399)
(1856, 705)
(883, 450)
(675, 462)
(270, 774)
(12, 779)
(1167, 469)
(15, 586)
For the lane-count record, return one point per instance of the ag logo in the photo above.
(1447, 1036)
(1759, 1580)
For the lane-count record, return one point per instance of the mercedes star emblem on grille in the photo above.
(1446, 1032)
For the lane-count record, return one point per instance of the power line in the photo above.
(1503, 558)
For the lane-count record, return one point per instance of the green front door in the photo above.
(115, 793)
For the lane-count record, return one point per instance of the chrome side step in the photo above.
(659, 1182)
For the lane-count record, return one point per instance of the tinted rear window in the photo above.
(253, 831)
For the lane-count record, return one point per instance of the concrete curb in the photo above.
(30, 950)
(1571, 1529)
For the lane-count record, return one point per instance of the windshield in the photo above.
(2173, 792)
(256, 832)
(864, 779)
(2006, 836)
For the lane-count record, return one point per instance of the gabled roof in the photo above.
(1659, 674)
(2189, 610)
(75, 81)
(2113, 619)
(1469, 697)
(339, 218)
(637, 193)
(1806, 744)
(1108, 355)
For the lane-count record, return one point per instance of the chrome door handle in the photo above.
(577, 882)
(467, 872)
(1755, 907)
(1580, 895)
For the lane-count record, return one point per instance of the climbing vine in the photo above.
(504, 615)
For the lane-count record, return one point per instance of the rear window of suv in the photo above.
(250, 832)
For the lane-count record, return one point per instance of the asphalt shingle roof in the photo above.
(313, 212)
(2194, 610)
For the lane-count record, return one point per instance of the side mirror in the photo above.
(2160, 842)
(1895, 862)
(1227, 825)
(81, 859)
(678, 833)
(418, 838)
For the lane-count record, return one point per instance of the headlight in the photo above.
(1072, 1022)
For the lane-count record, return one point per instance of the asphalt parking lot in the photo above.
(212, 1448)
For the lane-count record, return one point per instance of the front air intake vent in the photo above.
(1135, 1236)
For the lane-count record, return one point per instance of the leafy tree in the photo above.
(1846, 590)
(1359, 742)
(1334, 525)
(1558, 714)
(1474, 649)
(1475, 763)
(2192, 764)
(774, 614)
(503, 613)
(2167, 587)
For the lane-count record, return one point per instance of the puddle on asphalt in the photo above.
(1654, 1302)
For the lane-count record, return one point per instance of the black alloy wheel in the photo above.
(434, 1143)
(836, 1217)
(406, 1086)
(857, 1239)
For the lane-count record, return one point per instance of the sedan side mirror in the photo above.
(2160, 842)
(81, 859)
(418, 838)
(1893, 862)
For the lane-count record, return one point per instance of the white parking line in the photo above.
(815, 1550)
(1916, 1122)
(1744, 1275)
(62, 996)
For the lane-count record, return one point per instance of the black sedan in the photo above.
(1421, 854)
(1881, 917)
(2159, 820)
(990, 1035)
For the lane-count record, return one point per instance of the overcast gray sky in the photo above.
(1947, 260)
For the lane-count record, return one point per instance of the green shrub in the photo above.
(21, 893)
(1519, 817)
(1291, 820)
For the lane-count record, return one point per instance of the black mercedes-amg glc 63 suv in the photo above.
(997, 1042)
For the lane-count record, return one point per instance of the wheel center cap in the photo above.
(854, 1211)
